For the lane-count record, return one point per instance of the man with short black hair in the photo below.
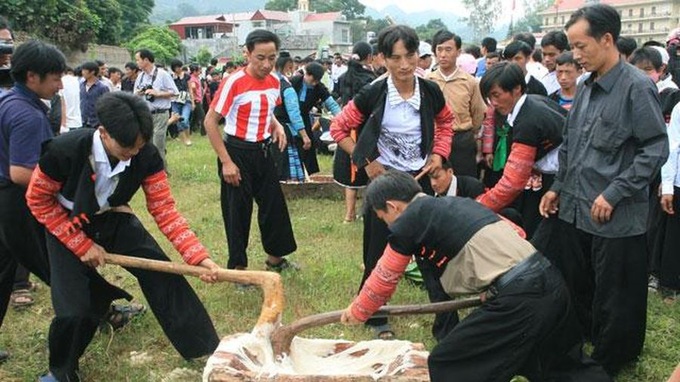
(552, 45)
(36, 68)
(461, 91)
(80, 192)
(626, 46)
(404, 123)
(614, 145)
(158, 89)
(526, 323)
(520, 53)
(246, 99)
(131, 72)
(90, 90)
(568, 72)
(488, 46)
(312, 92)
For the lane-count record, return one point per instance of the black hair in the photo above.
(558, 39)
(490, 44)
(229, 65)
(100, 62)
(214, 61)
(567, 58)
(132, 66)
(281, 62)
(537, 55)
(90, 66)
(442, 36)
(601, 18)
(194, 68)
(78, 71)
(493, 55)
(506, 75)
(626, 45)
(362, 49)
(37, 57)
(654, 43)
(516, 47)
(175, 63)
(259, 36)
(446, 164)
(474, 51)
(316, 70)
(526, 37)
(125, 117)
(113, 69)
(391, 185)
(284, 53)
(646, 54)
(145, 53)
(392, 34)
(4, 24)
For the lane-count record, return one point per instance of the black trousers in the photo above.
(607, 278)
(81, 296)
(259, 182)
(664, 244)
(528, 329)
(463, 157)
(22, 241)
(375, 240)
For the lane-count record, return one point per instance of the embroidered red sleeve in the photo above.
(488, 130)
(443, 132)
(515, 176)
(380, 285)
(161, 205)
(41, 198)
(350, 118)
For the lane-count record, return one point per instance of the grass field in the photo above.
(329, 253)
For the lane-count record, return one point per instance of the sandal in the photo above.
(120, 315)
(383, 332)
(21, 298)
(281, 266)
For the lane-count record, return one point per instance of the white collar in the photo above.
(450, 76)
(453, 188)
(516, 109)
(394, 98)
(527, 78)
(100, 156)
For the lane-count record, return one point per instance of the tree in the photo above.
(161, 40)
(352, 9)
(532, 21)
(109, 10)
(426, 31)
(135, 14)
(483, 15)
(203, 56)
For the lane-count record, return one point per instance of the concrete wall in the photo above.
(112, 55)
(215, 46)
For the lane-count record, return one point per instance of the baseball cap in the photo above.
(424, 49)
(664, 54)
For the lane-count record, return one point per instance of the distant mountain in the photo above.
(172, 10)
(452, 20)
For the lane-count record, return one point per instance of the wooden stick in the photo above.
(270, 282)
(283, 336)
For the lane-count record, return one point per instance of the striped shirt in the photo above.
(247, 104)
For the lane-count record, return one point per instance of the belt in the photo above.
(159, 111)
(532, 264)
(239, 143)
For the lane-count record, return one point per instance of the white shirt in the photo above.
(401, 133)
(669, 172)
(106, 178)
(550, 82)
(515, 110)
(70, 96)
(666, 83)
(549, 163)
(537, 69)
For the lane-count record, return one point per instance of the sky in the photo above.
(455, 6)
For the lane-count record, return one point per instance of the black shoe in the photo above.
(281, 266)
(4, 356)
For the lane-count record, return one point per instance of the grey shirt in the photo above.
(161, 81)
(615, 143)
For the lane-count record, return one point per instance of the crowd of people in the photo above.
(541, 179)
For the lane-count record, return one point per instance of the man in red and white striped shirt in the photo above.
(246, 99)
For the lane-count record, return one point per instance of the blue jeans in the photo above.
(184, 110)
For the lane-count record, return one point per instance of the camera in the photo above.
(6, 48)
(148, 97)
